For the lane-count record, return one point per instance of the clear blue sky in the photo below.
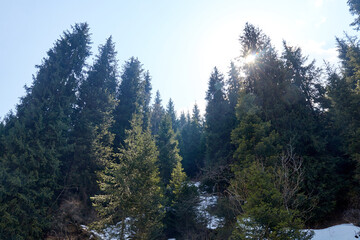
(179, 42)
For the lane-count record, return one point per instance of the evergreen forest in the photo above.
(90, 148)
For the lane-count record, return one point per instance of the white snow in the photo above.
(112, 232)
(338, 232)
(207, 201)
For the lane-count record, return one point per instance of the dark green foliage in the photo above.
(254, 41)
(130, 98)
(197, 143)
(157, 113)
(345, 95)
(37, 145)
(253, 138)
(93, 141)
(168, 149)
(288, 95)
(343, 92)
(147, 99)
(182, 220)
(183, 139)
(25, 194)
(233, 84)
(217, 132)
(355, 10)
(278, 147)
(170, 110)
(192, 147)
(265, 215)
(131, 186)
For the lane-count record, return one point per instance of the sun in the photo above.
(249, 59)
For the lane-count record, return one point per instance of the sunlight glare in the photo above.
(250, 58)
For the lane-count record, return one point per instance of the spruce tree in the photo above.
(38, 146)
(183, 138)
(233, 85)
(182, 120)
(193, 151)
(182, 220)
(217, 132)
(289, 93)
(93, 141)
(258, 187)
(131, 195)
(253, 138)
(304, 103)
(147, 98)
(157, 113)
(168, 149)
(264, 214)
(344, 95)
(130, 98)
(355, 10)
(170, 110)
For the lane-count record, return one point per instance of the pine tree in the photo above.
(93, 141)
(157, 114)
(38, 145)
(130, 187)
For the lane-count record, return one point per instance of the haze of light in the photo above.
(250, 58)
(179, 42)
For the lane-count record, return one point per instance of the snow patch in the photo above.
(208, 201)
(112, 232)
(338, 232)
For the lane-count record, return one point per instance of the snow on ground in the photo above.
(338, 232)
(112, 232)
(207, 201)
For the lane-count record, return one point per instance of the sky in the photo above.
(179, 42)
